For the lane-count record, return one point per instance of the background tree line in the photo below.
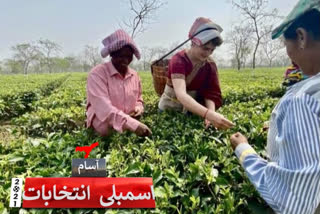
(44, 56)
(248, 43)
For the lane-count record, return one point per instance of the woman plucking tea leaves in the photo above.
(193, 83)
(290, 180)
(114, 99)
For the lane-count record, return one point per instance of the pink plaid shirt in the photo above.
(111, 97)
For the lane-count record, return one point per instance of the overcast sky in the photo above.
(76, 23)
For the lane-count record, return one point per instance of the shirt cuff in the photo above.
(132, 124)
(140, 104)
(243, 150)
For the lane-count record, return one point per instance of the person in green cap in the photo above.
(289, 181)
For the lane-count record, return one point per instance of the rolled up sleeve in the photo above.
(139, 100)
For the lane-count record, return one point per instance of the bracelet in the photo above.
(205, 114)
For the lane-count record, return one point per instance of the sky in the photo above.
(76, 23)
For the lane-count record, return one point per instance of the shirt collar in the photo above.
(113, 71)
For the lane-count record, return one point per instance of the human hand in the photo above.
(237, 139)
(218, 120)
(138, 110)
(143, 130)
(206, 123)
(266, 126)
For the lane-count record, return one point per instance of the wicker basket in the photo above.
(159, 71)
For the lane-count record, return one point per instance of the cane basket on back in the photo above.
(159, 71)
(159, 68)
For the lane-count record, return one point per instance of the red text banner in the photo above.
(88, 192)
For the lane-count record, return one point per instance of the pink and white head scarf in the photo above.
(202, 38)
(116, 41)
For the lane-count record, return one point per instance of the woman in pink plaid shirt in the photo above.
(114, 98)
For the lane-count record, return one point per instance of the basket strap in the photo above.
(193, 73)
(170, 52)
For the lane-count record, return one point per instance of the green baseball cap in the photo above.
(301, 8)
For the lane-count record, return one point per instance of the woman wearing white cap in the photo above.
(193, 83)
(290, 180)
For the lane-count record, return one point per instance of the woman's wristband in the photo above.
(205, 114)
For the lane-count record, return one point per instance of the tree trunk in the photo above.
(257, 45)
(50, 69)
(254, 54)
(25, 68)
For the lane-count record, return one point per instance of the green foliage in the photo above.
(194, 170)
(63, 111)
(18, 92)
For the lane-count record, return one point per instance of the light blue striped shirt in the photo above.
(290, 180)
